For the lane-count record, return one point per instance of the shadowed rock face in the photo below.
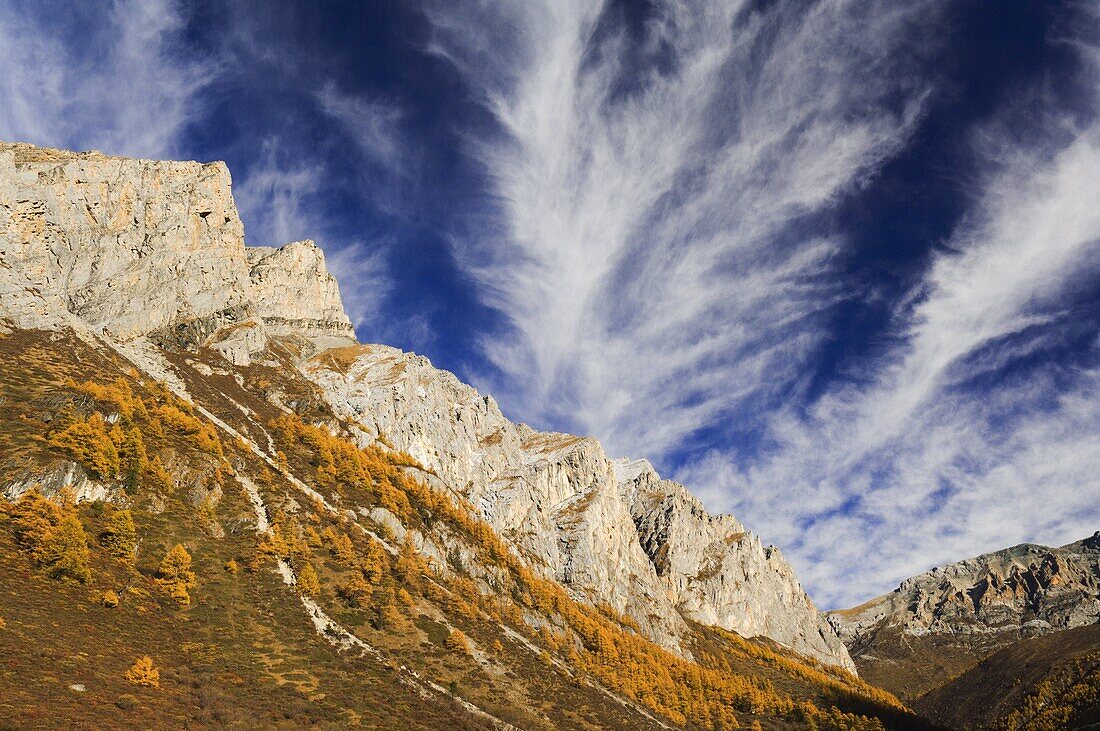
(972, 608)
(137, 248)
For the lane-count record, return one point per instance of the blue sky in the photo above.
(833, 265)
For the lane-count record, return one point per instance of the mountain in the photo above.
(320, 532)
(1051, 681)
(938, 624)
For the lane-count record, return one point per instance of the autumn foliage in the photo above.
(175, 575)
(143, 673)
(706, 693)
(53, 534)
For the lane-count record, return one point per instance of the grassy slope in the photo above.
(910, 665)
(1032, 674)
(244, 653)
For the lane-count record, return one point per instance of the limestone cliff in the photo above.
(719, 573)
(146, 247)
(1026, 587)
(294, 293)
(152, 253)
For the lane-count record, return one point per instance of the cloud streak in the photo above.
(658, 251)
(116, 82)
(924, 465)
(653, 258)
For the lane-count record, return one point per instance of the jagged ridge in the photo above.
(969, 609)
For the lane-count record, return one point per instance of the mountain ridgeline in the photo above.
(938, 624)
(222, 509)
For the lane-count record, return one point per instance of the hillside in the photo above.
(202, 467)
(938, 624)
(1048, 682)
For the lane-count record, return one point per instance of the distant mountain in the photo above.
(201, 465)
(938, 624)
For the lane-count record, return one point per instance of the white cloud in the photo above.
(652, 261)
(282, 200)
(653, 257)
(916, 469)
(372, 124)
(119, 85)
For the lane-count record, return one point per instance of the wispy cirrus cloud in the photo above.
(956, 442)
(283, 199)
(652, 255)
(657, 250)
(111, 78)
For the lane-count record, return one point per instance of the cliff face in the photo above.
(150, 254)
(718, 572)
(144, 247)
(129, 246)
(1026, 587)
(293, 292)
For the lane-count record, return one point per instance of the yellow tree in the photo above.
(308, 583)
(373, 564)
(175, 574)
(457, 642)
(65, 553)
(119, 536)
(408, 565)
(143, 673)
(356, 591)
(133, 458)
(34, 518)
(89, 442)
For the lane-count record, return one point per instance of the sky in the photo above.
(833, 265)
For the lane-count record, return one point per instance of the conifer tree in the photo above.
(373, 564)
(457, 642)
(119, 536)
(387, 614)
(34, 518)
(89, 443)
(356, 592)
(308, 583)
(159, 478)
(133, 458)
(65, 554)
(175, 574)
(407, 566)
(143, 673)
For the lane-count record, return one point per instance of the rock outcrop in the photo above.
(148, 248)
(937, 623)
(1026, 587)
(132, 247)
(135, 249)
(718, 572)
(294, 293)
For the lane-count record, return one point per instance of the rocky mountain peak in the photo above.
(969, 609)
(294, 293)
(138, 248)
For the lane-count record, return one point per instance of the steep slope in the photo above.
(939, 623)
(604, 530)
(1044, 682)
(370, 536)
